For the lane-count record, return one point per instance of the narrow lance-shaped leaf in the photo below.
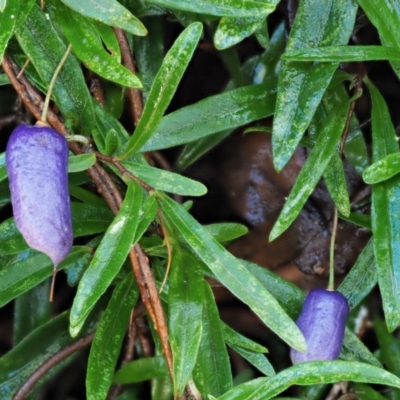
(313, 168)
(185, 304)
(44, 48)
(89, 48)
(231, 273)
(311, 373)
(214, 114)
(108, 339)
(231, 8)
(384, 212)
(343, 54)
(383, 169)
(302, 85)
(164, 86)
(108, 259)
(384, 15)
(111, 12)
(212, 373)
(11, 12)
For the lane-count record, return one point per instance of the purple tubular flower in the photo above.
(322, 322)
(37, 166)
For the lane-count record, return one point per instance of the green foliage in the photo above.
(289, 86)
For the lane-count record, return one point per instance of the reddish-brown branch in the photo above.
(51, 362)
(134, 95)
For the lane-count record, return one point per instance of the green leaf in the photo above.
(259, 361)
(311, 373)
(389, 347)
(366, 392)
(214, 114)
(147, 214)
(231, 273)
(108, 339)
(42, 44)
(11, 13)
(226, 231)
(141, 370)
(81, 162)
(165, 180)
(19, 363)
(231, 31)
(302, 85)
(343, 54)
(89, 48)
(185, 304)
(33, 268)
(232, 337)
(164, 86)
(383, 169)
(3, 4)
(86, 196)
(314, 167)
(362, 277)
(335, 180)
(88, 219)
(4, 80)
(31, 310)
(385, 222)
(109, 12)
(212, 373)
(384, 16)
(108, 259)
(232, 8)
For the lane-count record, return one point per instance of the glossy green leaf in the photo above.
(336, 183)
(165, 180)
(384, 212)
(19, 363)
(366, 392)
(389, 350)
(110, 12)
(226, 231)
(11, 13)
(384, 15)
(106, 123)
(81, 162)
(343, 54)
(314, 167)
(164, 86)
(309, 374)
(302, 85)
(383, 169)
(147, 214)
(362, 220)
(185, 305)
(31, 310)
(259, 361)
(108, 339)
(86, 196)
(3, 4)
(212, 373)
(149, 53)
(232, 337)
(355, 350)
(262, 35)
(141, 370)
(231, 273)
(26, 273)
(362, 277)
(231, 31)
(108, 259)
(89, 48)
(42, 44)
(214, 114)
(231, 8)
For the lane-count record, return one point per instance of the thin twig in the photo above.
(51, 362)
(134, 95)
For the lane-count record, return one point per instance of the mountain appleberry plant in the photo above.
(201, 165)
